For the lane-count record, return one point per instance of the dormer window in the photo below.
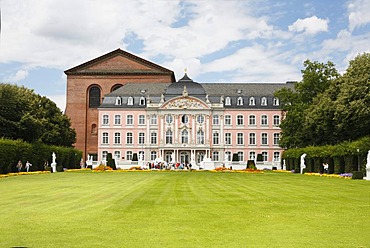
(240, 101)
(118, 100)
(252, 101)
(264, 101)
(228, 101)
(142, 101)
(130, 101)
(276, 101)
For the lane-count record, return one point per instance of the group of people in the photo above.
(20, 166)
(168, 166)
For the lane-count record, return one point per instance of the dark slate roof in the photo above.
(139, 89)
(193, 88)
(244, 89)
(215, 92)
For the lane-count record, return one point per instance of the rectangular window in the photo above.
(228, 156)
(252, 139)
(215, 138)
(105, 138)
(252, 155)
(129, 138)
(153, 155)
(153, 138)
(129, 155)
(228, 120)
(240, 139)
(276, 120)
(104, 155)
(117, 155)
(264, 156)
(153, 119)
(141, 138)
(129, 120)
(276, 138)
(215, 156)
(215, 120)
(169, 137)
(252, 120)
(241, 156)
(227, 138)
(117, 138)
(141, 119)
(105, 119)
(117, 120)
(264, 120)
(240, 120)
(264, 139)
(276, 156)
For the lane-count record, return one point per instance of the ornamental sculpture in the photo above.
(184, 103)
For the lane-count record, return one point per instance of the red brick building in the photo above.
(89, 82)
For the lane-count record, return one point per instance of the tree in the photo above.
(30, 117)
(352, 105)
(317, 77)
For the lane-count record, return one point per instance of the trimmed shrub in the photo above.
(235, 157)
(251, 165)
(357, 175)
(11, 151)
(338, 165)
(350, 164)
(111, 162)
(134, 157)
(60, 168)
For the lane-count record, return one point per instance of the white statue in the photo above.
(284, 164)
(303, 165)
(54, 158)
(226, 157)
(368, 160)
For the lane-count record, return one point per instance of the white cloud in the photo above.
(358, 13)
(18, 76)
(310, 26)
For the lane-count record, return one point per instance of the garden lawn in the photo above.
(183, 209)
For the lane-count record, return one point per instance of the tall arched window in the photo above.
(200, 137)
(94, 97)
(252, 101)
(169, 136)
(264, 101)
(184, 136)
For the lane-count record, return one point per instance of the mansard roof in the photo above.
(144, 66)
(177, 88)
(244, 89)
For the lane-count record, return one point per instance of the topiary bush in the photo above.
(357, 175)
(111, 162)
(251, 165)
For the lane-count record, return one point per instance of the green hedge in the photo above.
(11, 151)
(342, 158)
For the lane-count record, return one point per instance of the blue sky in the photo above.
(217, 41)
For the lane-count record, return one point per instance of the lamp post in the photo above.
(358, 159)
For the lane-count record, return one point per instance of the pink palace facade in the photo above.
(189, 122)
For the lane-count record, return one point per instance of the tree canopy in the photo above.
(325, 107)
(30, 117)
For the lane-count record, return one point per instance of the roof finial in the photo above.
(185, 92)
(186, 70)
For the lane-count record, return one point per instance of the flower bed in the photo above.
(102, 167)
(24, 173)
(345, 175)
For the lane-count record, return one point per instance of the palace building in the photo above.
(127, 106)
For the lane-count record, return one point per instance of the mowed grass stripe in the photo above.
(179, 209)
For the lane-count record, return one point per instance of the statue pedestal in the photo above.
(54, 167)
(367, 174)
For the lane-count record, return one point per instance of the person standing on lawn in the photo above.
(19, 166)
(28, 164)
